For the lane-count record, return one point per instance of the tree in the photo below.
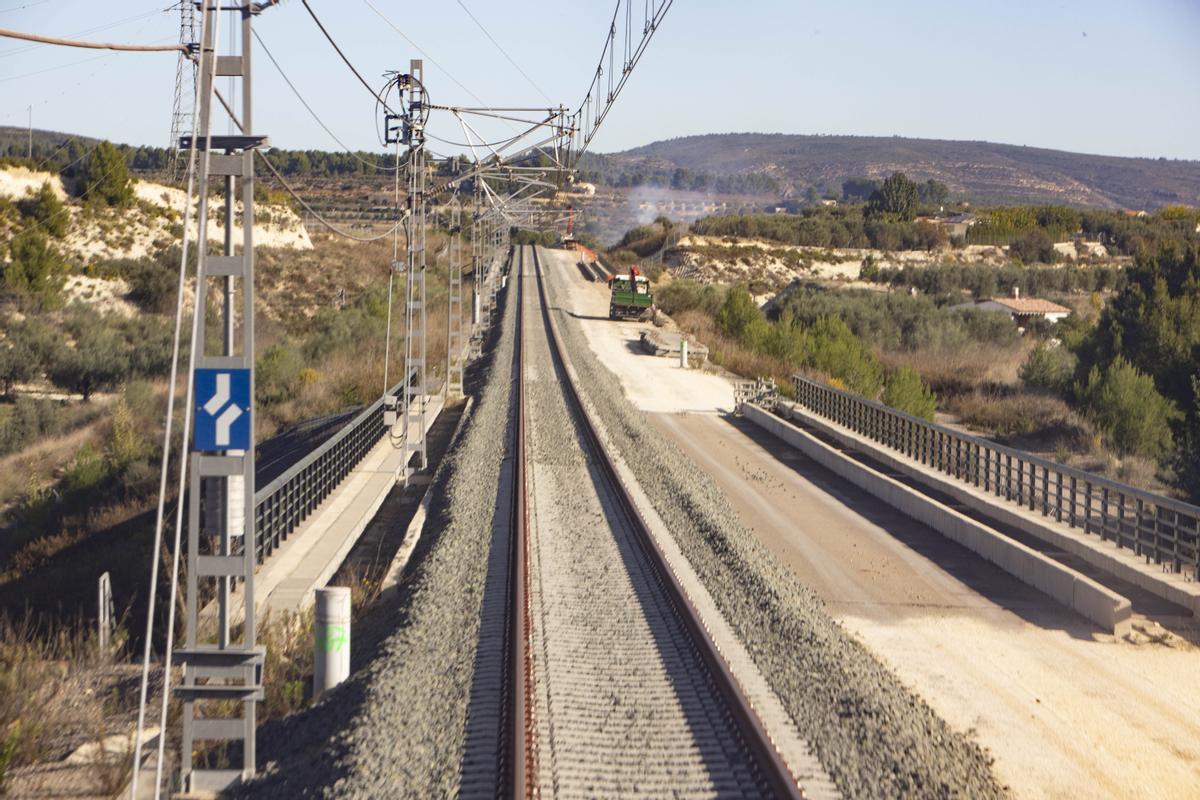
(106, 177)
(932, 191)
(986, 286)
(737, 313)
(858, 189)
(1154, 323)
(835, 350)
(1127, 408)
(98, 361)
(36, 272)
(49, 212)
(896, 197)
(905, 391)
(1188, 465)
(1034, 246)
(15, 365)
(26, 351)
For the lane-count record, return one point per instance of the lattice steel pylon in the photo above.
(185, 86)
(477, 273)
(415, 395)
(455, 339)
(219, 670)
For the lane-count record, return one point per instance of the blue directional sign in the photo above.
(222, 410)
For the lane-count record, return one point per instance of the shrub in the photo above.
(36, 272)
(125, 443)
(835, 350)
(683, 295)
(152, 281)
(869, 270)
(1128, 409)
(47, 210)
(148, 343)
(898, 321)
(86, 473)
(278, 373)
(905, 391)
(26, 421)
(1049, 366)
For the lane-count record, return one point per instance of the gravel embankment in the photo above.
(420, 718)
(874, 737)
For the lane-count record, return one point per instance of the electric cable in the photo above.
(418, 48)
(503, 52)
(22, 8)
(89, 31)
(345, 60)
(125, 48)
(160, 513)
(55, 67)
(374, 165)
(313, 211)
(466, 144)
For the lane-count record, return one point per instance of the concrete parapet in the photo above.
(1089, 548)
(1091, 600)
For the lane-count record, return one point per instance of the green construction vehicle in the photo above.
(630, 295)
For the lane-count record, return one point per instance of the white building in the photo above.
(1022, 310)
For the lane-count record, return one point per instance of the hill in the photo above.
(977, 171)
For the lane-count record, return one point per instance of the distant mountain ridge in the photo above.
(982, 172)
(978, 171)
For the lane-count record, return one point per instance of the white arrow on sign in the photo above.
(225, 422)
(219, 399)
(216, 403)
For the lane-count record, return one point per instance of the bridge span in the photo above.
(863, 651)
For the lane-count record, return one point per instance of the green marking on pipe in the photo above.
(334, 638)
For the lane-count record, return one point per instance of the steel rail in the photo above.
(752, 730)
(521, 672)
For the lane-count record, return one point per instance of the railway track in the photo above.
(614, 687)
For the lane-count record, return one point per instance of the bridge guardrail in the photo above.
(1153, 526)
(281, 505)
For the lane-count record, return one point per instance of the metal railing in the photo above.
(1151, 525)
(281, 505)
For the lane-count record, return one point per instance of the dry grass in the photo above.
(1040, 421)
(733, 356)
(45, 457)
(965, 369)
(59, 692)
(288, 671)
(296, 286)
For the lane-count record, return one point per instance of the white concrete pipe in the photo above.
(683, 354)
(331, 661)
(475, 310)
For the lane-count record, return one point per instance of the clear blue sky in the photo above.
(1096, 76)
